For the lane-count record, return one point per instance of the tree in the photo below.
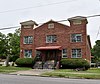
(10, 46)
(2, 46)
(96, 52)
(15, 45)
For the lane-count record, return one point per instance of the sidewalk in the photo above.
(33, 72)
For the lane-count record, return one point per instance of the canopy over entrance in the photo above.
(49, 48)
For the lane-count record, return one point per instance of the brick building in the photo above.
(54, 41)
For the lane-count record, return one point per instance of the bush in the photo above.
(2, 57)
(74, 64)
(24, 62)
(13, 58)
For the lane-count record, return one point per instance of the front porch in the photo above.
(48, 57)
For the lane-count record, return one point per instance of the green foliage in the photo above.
(11, 69)
(10, 45)
(13, 58)
(74, 64)
(24, 62)
(3, 46)
(96, 52)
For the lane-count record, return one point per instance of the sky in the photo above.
(12, 12)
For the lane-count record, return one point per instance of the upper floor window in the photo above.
(51, 25)
(76, 53)
(51, 38)
(76, 22)
(64, 53)
(27, 53)
(27, 26)
(76, 37)
(28, 39)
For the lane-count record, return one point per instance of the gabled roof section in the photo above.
(52, 21)
(30, 22)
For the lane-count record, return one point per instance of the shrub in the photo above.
(2, 57)
(24, 62)
(13, 58)
(74, 64)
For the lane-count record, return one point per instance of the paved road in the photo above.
(15, 79)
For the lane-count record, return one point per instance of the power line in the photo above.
(43, 23)
(98, 33)
(9, 28)
(93, 16)
(55, 3)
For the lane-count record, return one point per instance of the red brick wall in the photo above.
(63, 33)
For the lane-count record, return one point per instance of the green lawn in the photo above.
(93, 73)
(9, 69)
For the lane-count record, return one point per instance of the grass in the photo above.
(10, 69)
(93, 73)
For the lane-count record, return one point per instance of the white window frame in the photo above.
(76, 38)
(76, 53)
(51, 38)
(51, 25)
(64, 53)
(29, 39)
(29, 55)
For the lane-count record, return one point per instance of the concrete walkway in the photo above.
(33, 72)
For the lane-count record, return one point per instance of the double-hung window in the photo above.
(64, 53)
(76, 37)
(76, 53)
(27, 53)
(28, 39)
(51, 38)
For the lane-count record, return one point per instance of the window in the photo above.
(76, 53)
(27, 53)
(51, 38)
(76, 37)
(27, 26)
(64, 53)
(76, 22)
(28, 39)
(51, 25)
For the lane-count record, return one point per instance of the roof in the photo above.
(30, 22)
(77, 17)
(52, 21)
(49, 48)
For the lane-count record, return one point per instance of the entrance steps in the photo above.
(46, 65)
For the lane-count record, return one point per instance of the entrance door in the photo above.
(50, 55)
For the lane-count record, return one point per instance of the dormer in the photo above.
(28, 24)
(78, 20)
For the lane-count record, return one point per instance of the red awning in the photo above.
(49, 48)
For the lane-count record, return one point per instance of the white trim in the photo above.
(64, 53)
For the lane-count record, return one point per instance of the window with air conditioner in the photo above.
(76, 37)
(28, 39)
